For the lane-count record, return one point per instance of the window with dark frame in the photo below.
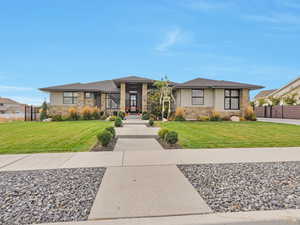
(70, 97)
(197, 97)
(112, 101)
(87, 94)
(232, 99)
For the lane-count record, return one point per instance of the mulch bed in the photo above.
(167, 146)
(98, 147)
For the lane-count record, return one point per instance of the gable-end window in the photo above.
(197, 97)
(70, 98)
(232, 99)
(113, 101)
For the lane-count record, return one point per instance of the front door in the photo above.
(133, 103)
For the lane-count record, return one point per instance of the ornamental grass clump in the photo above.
(104, 137)
(118, 122)
(112, 131)
(171, 138)
(215, 116)
(179, 114)
(249, 114)
(87, 113)
(96, 114)
(73, 114)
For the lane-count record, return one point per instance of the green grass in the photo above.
(34, 137)
(235, 134)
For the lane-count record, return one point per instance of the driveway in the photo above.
(276, 120)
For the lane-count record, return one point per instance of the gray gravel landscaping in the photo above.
(246, 186)
(42, 196)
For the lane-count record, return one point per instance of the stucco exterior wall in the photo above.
(56, 98)
(184, 98)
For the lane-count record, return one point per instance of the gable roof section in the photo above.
(134, 79)
(290, 84)
(208, 83)
(104, 86)
(9, 101)
(265, 93)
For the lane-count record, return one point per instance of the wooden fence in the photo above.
(31, 113)
(279, 111)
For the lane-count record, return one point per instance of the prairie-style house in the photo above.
(130, 94)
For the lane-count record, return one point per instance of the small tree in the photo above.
(261, 102)
(290, 99)
(274, 100)
(43, 112)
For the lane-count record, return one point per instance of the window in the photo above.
(232, 99)
(197, 97)
(70, 98)
(87, 94)
(113, 101)
(1, 104)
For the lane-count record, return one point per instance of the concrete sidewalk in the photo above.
(275, 120)
(146, 158)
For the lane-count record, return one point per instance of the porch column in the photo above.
(123, 97)
(103, 101)
(144, 97)
(244, 102)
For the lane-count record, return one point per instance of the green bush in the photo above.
(151, 123)
(57, 117)
(171, 137)
(43, 112)
(104, 137)
(145, 116)
(112, 131)
(121, 115)
(118, 122)
(179, 118)
(162, 133)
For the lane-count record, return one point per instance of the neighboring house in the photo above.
(291, 88)
(11, 108)
(129, 94)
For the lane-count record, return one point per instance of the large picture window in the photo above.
(232, 99)
(197, 96)
(70, 97)
(112, 101)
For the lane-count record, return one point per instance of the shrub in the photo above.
(57, 117)
(214, 116)
(121, 115)
(104, 137)
(249, 114)
(179, 118)
(274, 101)
(291, 99)
(226, 118)
(73, 114)
(171, 137)
(145, 116)
(43, 111)
(118, 122)
(115, 113)
(112, 118)
(162, 133)
(203, 118)
(179, 115)
(112, 131)
(103, 117)
(96, 113)
(261, 102)
(151, 122)
(87, 113)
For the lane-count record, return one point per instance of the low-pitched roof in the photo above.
(9, 101)
(134, 79)
(264, 93)
(208, 83)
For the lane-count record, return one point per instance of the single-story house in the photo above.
(130, 94)
(10, 108)
(289, 89)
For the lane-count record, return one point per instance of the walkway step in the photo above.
(136, 130)
(137, 144)
(146, 191)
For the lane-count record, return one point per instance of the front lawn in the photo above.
(234, 134)
(33, 137)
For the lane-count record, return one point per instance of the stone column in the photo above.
(123, 97)
(103, 102)
(145, 97)
(244, 102)
(80, 99)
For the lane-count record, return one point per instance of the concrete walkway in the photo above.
(275, 120)
(138, 144)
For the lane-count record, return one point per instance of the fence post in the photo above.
(31, 118)
(282, 116)
(271, 111)
(25, 112)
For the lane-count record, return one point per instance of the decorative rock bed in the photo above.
(246, 186)
(43, 196)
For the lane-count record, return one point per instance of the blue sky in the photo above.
(50, 42)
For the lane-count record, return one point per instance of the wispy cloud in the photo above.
(172, 37)
(14, 88)
(28, 100)
(207, 5)
(275, 18)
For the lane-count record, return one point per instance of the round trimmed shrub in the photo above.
(151, 123)
(145, 116)
(118, 122)
(162, 132)
(112, 131)
(104, 137)
(121, 114)
(171, 137)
